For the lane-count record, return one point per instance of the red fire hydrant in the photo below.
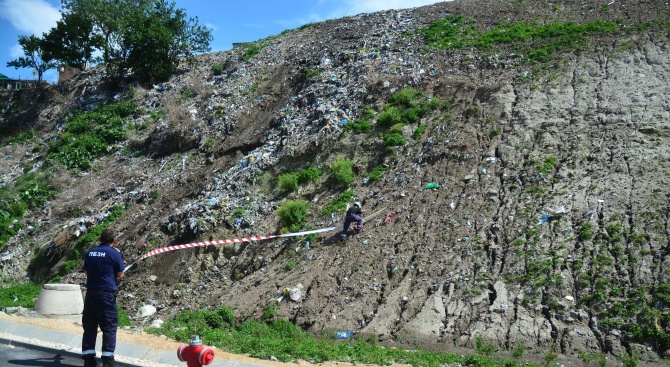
(194, 354)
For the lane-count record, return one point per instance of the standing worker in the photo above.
(353, 215)
(103, 266)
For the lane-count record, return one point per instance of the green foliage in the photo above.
(72, 41)
(148, 38)
(389, 116)
(33, 189)
(495, 132)
(309, 174)
(518, 351)
(238, 213)
(217, 69)
(419, 131)
(293, 214)
(288, 182)
(358, 126)
(586, 232)
(377, 173)
(538, 42)
(311, 74)
(397, 128)
(31, 46)
(23, 137)
(19, 295)
(339, 203)
(394, 140)
(88, 135)
(251, 50)
(124, 320)
(343, 171)
(548, 166)
(484, 348)
(289, 266)
(288, 342)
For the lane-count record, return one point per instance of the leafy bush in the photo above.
(419, 131)
(358, 126)
(309, 174)
(19, 295)
(390, 116)
(251, 50)
(586, 232)
(88, 135)
(343, 170)
(397, 128)
(217, 69)
(33, 190)
(394, 140)
(293, 213)
(405, 98)
(124, 320)
(288, 182)
(338, 203)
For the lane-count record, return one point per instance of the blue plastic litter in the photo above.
(344, 334)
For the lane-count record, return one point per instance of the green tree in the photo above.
(146, 36)
(159, 36)
(33, 56)
(71, 41)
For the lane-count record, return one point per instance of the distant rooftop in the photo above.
(4, 77)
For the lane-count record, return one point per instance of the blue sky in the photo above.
(230, 20)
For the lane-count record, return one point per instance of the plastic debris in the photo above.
(344, 334)
(432, 185)
(544, 218)
(557, 212)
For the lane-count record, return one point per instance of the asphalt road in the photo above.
(17, 356)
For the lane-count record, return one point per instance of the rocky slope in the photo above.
(549, 220)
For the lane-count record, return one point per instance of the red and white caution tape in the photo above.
(222, 242)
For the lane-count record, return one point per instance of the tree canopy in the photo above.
(32, 50)
(144, 37)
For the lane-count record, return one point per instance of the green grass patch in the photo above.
(343, 171)
(537, 42)
(359, 126)
(88, 135)
(124, 320)
(288, 342)
(339, 203)
(251, 50)
(19, 295)
(394, 140)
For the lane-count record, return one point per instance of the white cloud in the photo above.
(30, 16)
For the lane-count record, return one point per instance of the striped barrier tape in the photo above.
(222, 242)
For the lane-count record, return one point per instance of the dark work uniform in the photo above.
(101, 264)
(353, 215)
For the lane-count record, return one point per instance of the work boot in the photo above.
(89, 360)
(343, 237)
(108, 361)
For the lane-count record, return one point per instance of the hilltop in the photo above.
(548, 228)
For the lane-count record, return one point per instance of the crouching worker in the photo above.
(353, 215)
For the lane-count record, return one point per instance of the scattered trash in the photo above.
(432, 185)
(491, 159)
(344, 334)
(544, 218)
(387, 220)
(557, 212)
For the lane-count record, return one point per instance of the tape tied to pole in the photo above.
(226, 241)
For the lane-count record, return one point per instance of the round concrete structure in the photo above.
(60, 301)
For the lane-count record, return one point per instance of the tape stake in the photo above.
(227, 241)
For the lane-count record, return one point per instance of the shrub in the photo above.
(586, 232)
(309, 174)
(394, 140)
(358, 126)
(338, 203)
(411, 115)
(33, 190)
(251, 51)
(217, 69)
(288, 182)
(390, 116)
(405, 98)
(419, 131)
(293, 213)
(343, 170)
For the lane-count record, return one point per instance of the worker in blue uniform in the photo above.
(353, 215)
(103, 265)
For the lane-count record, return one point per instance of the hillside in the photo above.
(549, 228)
